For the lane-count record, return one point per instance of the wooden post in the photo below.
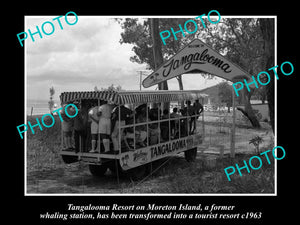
(232, 142)
(203, 125)
(140, 80)
(120, 130)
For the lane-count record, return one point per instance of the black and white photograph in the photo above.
(147, 118)
(123, 108)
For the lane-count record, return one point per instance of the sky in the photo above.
(85, 55)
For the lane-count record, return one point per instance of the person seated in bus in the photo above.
(80, 128)
(125, 115)
(164, 126)
(140, 113)
(140, 138)
(141, 130)
(94, 119)
(174, 123)
(141, 117)
(153, 128)
(198, 108)
(67, 126)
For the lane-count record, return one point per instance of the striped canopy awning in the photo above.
(129, 97)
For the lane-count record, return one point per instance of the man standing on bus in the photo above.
(190, 112)
(198, 109)
(80, 128)
(104, 113)
(94, 128)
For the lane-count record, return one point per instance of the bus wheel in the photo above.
(115, 168)
(190, 155)
(97, 170)
(137, 173)
(69, 159)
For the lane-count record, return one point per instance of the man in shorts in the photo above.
(104, 113)
(94, 118)
(80, 128)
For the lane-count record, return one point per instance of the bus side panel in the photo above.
(131, 159)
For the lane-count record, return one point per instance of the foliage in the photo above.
(225, 94)
(138, 33)
(109, 88)
(239, 39)
(256, 141)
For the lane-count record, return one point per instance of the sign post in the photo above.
(232, 139)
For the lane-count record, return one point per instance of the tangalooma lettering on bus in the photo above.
(167, 147)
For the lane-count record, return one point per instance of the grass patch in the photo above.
(44, 145)
(199, 177)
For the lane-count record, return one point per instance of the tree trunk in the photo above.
(179, 79)
(267, 29)
(248, 112)
(157, 53)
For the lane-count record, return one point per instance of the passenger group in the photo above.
(95, 127)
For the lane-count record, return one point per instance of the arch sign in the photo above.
(196, 57)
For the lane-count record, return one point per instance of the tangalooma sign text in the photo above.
(197, 58)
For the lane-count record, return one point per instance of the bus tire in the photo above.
(137, 173)
(115, 168)
(97, 170)
(68, 159)
(190, 155)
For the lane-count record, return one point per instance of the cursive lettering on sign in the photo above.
(197, 58)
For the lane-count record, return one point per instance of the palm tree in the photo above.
(256, 141)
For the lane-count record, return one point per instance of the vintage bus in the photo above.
(144, 129)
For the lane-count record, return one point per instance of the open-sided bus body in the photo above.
(148, 132)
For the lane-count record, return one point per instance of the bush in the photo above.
(43, 146)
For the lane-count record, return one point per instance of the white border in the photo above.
(133, 194)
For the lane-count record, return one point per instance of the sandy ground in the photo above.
(76, 179)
